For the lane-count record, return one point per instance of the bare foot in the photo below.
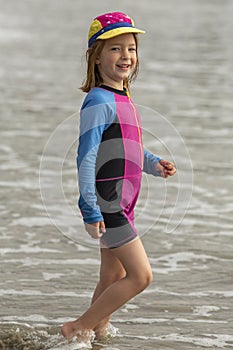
(71, 330)
(101, 332)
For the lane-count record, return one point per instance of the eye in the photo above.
(132, 49)
(115, 48)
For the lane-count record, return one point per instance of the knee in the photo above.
(144, 280)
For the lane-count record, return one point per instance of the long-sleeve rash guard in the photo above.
(110, 148)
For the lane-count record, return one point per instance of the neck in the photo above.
(117, 86)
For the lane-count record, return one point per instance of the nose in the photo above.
(125, 54)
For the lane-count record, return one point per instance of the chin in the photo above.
(125, 76)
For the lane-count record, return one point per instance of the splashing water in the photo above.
(26, 337)
(112, 331)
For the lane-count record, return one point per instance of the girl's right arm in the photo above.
(95, 117)
(89, 140)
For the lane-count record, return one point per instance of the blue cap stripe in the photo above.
(107, 29)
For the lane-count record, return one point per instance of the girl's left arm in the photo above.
(156, 166)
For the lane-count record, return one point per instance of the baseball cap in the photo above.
(109, 25)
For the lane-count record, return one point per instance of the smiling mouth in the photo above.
(123, 66)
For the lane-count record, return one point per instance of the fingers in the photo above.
(102, 227)
(168, 168)
(172, 171)
(95, 229)
(166, 164)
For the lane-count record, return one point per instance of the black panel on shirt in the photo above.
(116, 91)
(110, 161)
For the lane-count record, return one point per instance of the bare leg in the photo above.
(138, 276)
(106, 279)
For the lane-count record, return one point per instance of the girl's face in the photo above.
(117, 60)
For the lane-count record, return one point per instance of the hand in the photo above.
(165, 168)
(96, 229)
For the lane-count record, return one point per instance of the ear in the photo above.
(97, 61)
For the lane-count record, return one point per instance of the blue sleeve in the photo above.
(95, 117)
(150, 161)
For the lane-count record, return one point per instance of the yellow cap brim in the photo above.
(118, 31)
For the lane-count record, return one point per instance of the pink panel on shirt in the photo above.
(130, 128)
(130, 135)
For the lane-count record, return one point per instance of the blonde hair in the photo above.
(93, 78)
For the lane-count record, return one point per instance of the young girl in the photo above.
(110, 160)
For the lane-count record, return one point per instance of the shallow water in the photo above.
(185, 95)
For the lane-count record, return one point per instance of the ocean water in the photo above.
(49, 267)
